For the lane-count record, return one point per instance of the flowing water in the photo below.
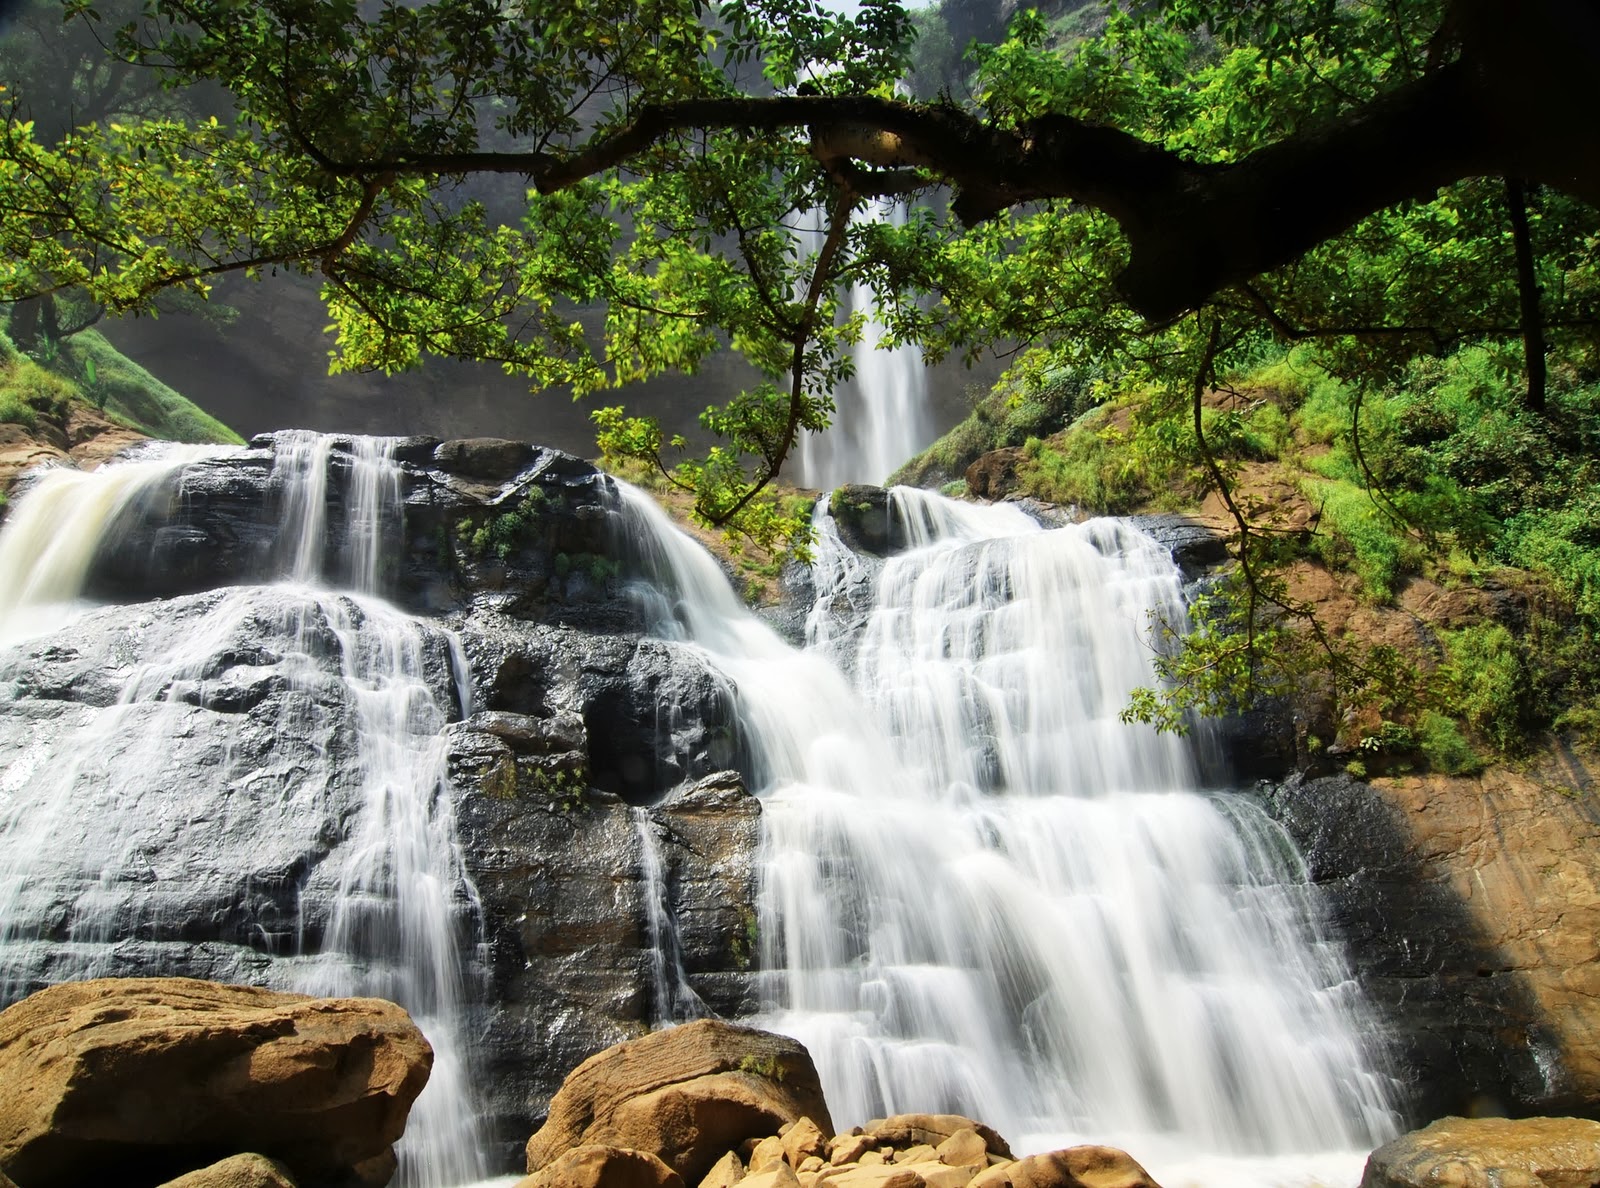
(386, 914)
(881, 418)
(982, 892)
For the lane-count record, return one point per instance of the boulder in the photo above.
(906, 1130)
(138, 1080)
(1490, 1153)
(491, 459)
(1072, 1167)
(596, 1166)
(994, 475)
(726, 1172)
(238, 1171)
(687, 1095)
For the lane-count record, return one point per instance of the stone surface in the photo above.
(688, 1095)
(1072, 1167)
(237, 1171)
(725, 1173)
(993, 475)
(965, 1148)
(802, 1141)
(1471, 906)
(595, 1166)
(142, 1079)
(1490, 1153)
(904, 1130)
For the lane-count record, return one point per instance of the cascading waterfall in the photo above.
(389, 915)
(881, 416)
(984, 893)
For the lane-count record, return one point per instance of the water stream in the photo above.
(387, 912)
(982, 892)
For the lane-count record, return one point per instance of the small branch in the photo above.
(1533, 346)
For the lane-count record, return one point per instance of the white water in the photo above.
(672, 999)
(53, 533)
(983, 893)
(391, 911)
(880, 417)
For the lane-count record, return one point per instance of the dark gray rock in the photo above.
(1194, 547)
(1459, 1038)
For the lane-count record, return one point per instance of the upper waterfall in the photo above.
(881, 416)
(984, 893)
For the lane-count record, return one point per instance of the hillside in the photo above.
(1428, 586)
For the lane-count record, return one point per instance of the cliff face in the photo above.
(206, 808)
(1471, 911)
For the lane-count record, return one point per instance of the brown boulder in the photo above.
(136, 1080)
(994, 475)
(603, 1167)
(1490, 1153)
(687, 1095)
(1073, 1167)
(239, 1171)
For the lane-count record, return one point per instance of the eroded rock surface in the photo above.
(137, 1080)
(688, 1096)
(1471, 908)
(1490, 1153)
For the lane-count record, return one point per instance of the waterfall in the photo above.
(982, 892)
(881, 415)
(386, 911)
(672, 999)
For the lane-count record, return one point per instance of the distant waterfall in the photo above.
(388, 912)
(881, 416)
(984, 893)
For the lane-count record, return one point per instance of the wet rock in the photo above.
(1470, 907)
(1490, 1153)
(1194, 547)
(866, 520)
(491, 459)
(237, 1171)
(139, 1079)
(687, 1095)
(596, 1166)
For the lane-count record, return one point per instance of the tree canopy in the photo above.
(1194, 179)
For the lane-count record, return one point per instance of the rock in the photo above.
(725, 1173)
(767, 1154)
(994, 475)
(802, 1141)
(603, 1167)
(937, 1174)
(865, 1175)
(687, 1095)
(239, 1171)
(142, 1079)
(865, 520)
(1470, 911)
(917, 1153)
(1195, 547)
(965, 1148)
(491, 459)
(1073, 1167)
(903, 1130)
(779, 1175)
(850, 1148)
(1490, 1153)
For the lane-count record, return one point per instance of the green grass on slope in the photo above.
(120, 387)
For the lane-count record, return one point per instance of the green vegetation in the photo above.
(505, 533)
(86, 367)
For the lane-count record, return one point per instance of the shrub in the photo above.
(1444, 747)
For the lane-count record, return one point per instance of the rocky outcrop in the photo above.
(595, 1166)
(687, 1096)
(1470, 907)
(237, 1171)
(673, 1094)
(994, 475)
(138, 1080)
(1490, 1153)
